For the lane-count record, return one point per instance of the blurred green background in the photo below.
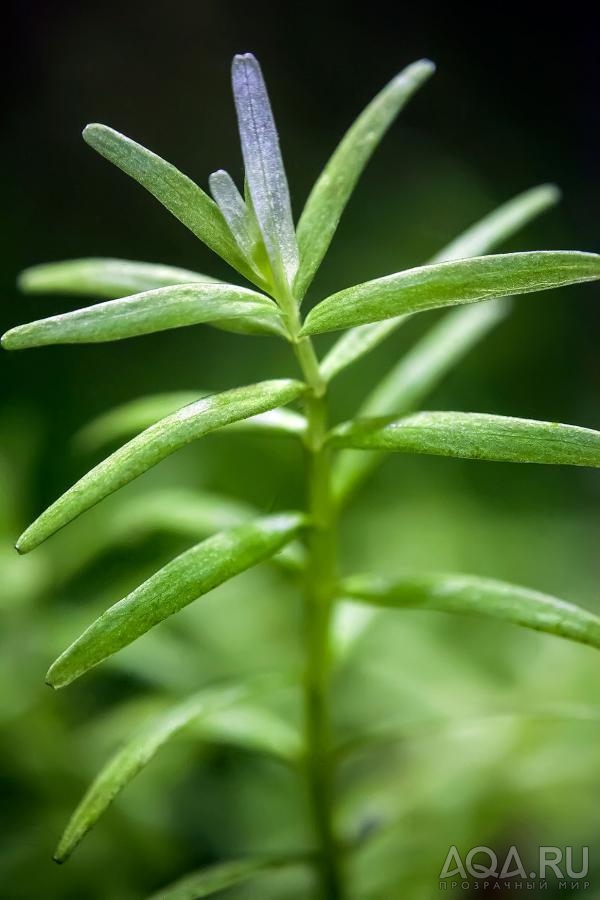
(498, 730)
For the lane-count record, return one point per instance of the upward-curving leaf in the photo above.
(500, 224)
(450, 284)
(203, 710)
(184, 579)
(475, 436)
(151, 311)
(105, 278)
(467, 594)
(334, 186)
(184, 199)
(265, 173)
(217, 878)
(475, 241)
(413, 377)
(232, 205)
(153, 445)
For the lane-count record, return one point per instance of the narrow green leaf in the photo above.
(107, 279)
(476, 241)
(356, 342)
(184, 579)
(251, 727)
(334, 186)
(467, 594)
(137, 753)
(215, 879)
(184, 199)
(232, 205)
(265, 171)
(132, 417)
(475, 436)
(151, 311)
(414, 376)
(450, 284)
(153, 445)
(501, 224)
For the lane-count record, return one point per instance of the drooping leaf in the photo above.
(501, 224)
(232, 205)
(153, 445)
(334, 186)
(414, 376)
(475, 436)
(450, 284)
(203, 708)
(184, 579)
(215, 879)
(151, 311)
(265, 173)
(107, 279)
(184, 199)
(467, 594)
(132, 417)
(475, 241)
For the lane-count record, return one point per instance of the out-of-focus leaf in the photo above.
(334, 186)
(132, 417)
(450, 284)
(177, 584)
(501, 224)
(217, 878)
(484, 596)
(414, 376)
(475, 436)
(251, 727)
(350, 621)
(475, 241)
(153, 445)
(139, 751)
(151, 311)
(184, 199)
(356, 342)
(107, 279)
(265, 173)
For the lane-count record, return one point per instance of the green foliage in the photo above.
(255, 234)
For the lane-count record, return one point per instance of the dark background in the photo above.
(514, 104)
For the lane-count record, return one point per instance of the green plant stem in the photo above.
(321, 578)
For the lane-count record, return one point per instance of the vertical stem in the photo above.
(321, 577)
(319, 597)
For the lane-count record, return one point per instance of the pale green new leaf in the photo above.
(334, 186)
(132, 417)
(215, 879)
(265, 173)
(251, 727)
(151, 311)
(232, 205)
(184, 579)
(184, 199)
(139, 751)
(482, 237)
(105, 278)
(450, 284)
(466, 594)
(153, 445)
(475, 436)
(414, 376)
